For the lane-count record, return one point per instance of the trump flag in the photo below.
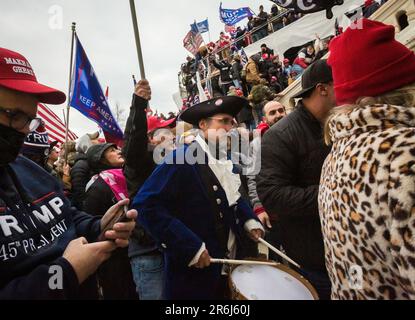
(88, 98)
(232, 16)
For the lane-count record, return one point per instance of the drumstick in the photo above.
(282, 255)
(240, 262)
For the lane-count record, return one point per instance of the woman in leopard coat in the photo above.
(367, 189)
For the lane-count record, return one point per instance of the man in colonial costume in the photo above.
(192, 207)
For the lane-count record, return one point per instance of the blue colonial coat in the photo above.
(174, 207)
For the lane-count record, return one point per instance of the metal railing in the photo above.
(206, 61)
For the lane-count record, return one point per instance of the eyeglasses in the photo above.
(279, 110)
(225, 121)
(19, 120)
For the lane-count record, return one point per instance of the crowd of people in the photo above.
(261, 79)
(263, 75)
(331, 184)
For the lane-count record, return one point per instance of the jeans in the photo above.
(237, 84)
(148, 276)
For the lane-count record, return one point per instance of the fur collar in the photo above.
(378, 117)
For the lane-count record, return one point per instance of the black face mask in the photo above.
(10, 143)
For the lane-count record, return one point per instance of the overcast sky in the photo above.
(105, 30)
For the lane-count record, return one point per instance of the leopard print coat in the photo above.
(367, 203)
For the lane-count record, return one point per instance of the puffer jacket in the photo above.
(86, 166)
(367, 203)
(80, 175)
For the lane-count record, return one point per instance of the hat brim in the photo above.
(231, 105)
(44, 93)
(53, 144)
(171, 123)
(302, 93)
(94, 135)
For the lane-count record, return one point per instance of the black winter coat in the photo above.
(138, 167)
(114, 275)
(82, 172)
(225, 70)
(236, 71)
(80, 175)
(293, 152)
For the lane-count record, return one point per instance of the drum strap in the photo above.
(209, 180)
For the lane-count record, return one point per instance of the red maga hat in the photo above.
(154, 123)
(17, 74)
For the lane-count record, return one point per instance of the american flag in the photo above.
(54, 125)
(244, 57)
(230, 29)
(193, 41)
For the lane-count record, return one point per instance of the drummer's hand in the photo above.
(143, 90)
(204, 260)
(255, 234)
(264, 218)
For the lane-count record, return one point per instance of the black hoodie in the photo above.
(99, 197)
(95, 156)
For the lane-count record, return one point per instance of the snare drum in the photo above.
(261, 282)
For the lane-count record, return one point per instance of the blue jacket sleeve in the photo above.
(245, 212)
(86, 225)
(40, 284)
(156, 202)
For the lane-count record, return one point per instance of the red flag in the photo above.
(113, 139)
(54, 125)
(108, 137)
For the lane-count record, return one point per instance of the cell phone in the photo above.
(119, 216)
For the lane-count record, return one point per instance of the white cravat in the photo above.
(230, 183)
(222, 169)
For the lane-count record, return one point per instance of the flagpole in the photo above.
(137, 39)
(69, 93)
(208, 30)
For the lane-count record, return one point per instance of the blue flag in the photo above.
(88, 98)
(232, 16)
(201, 27)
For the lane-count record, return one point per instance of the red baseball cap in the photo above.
(17, 74)
(154, 123)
